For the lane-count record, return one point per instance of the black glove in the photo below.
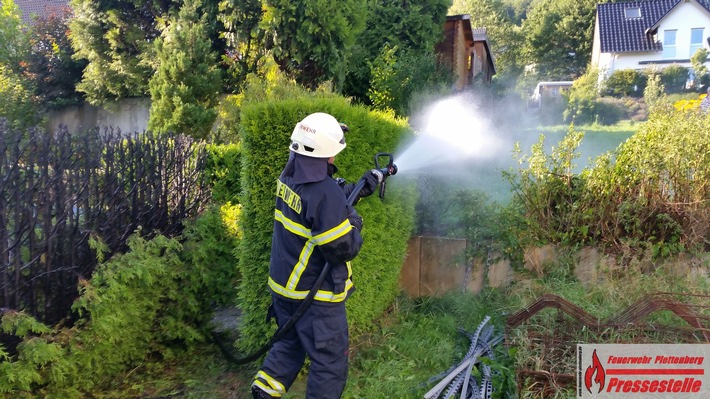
(355, 219)
(371, 182)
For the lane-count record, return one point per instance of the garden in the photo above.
(120, 253)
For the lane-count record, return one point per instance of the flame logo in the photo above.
(595, 368)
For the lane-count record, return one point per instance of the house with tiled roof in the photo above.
(647, 33)
(40, 8)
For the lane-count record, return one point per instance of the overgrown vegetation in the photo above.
(149, 304)
(647, 195)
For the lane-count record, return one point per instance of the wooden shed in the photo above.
(466, 51)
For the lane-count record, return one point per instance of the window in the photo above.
(632, 12)
(696, 40)
(669, 43)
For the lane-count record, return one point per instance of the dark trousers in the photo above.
(322, 334)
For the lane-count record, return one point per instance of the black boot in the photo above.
(257, 393)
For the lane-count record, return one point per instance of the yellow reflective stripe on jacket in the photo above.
(303, 258)
(274, 388)
(321, 295)
(300, 230)
(295, 228)
(334, 233)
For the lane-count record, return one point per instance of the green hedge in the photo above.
(266, 129)
(223, 172)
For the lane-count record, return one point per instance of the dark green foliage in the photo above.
(16, 102)
(210, 254)
(310, 39)
(625, 82)
(608, 111)
(223, 172)
(546, 195)
(245, 38)
(413, 28)
(139, 307)
(266, 128)
(397, 76)
(114, 38)
(421, 338)
(674, 78)
(581, 98)
(185, 88)
(49, 62)
(557, 38)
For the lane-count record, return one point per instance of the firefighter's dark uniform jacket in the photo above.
(311, 227)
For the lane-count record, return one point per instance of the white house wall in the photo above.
(683, 18)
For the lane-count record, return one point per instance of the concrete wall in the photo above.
(129, 115)
(435, 265)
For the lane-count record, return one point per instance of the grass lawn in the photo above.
(420, 338)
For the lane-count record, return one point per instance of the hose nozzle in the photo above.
(384, 172)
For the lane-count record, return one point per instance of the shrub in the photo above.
(625, 82)
(581, 98)
(266, 128)
(134, 310)
(16, 101)
(223, 170)
(674, 78)
(648, 195)
(609, 111)
(185, 85)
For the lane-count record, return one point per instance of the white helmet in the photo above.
(318, 135)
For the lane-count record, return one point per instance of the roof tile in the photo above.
(619, 34)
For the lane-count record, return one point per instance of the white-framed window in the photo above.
(669, 43)
(696, 40)
(632, 12)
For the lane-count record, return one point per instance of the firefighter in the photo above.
(313, 225)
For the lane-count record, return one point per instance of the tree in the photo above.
(397, 76)
(581, 98)
(16, 102)
(13, 40)
(558, 38)
(674, 78)
(49, 62)
(413, 28)
(654, 91)
(311, 39)
(244, 37)
(116, 38)
(187, 82)
(503, 34)
(700, 71)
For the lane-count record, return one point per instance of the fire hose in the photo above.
(458, 379)
(382, 173)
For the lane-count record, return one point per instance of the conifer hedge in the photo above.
(266, 130)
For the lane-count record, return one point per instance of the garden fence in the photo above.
(60, 191)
